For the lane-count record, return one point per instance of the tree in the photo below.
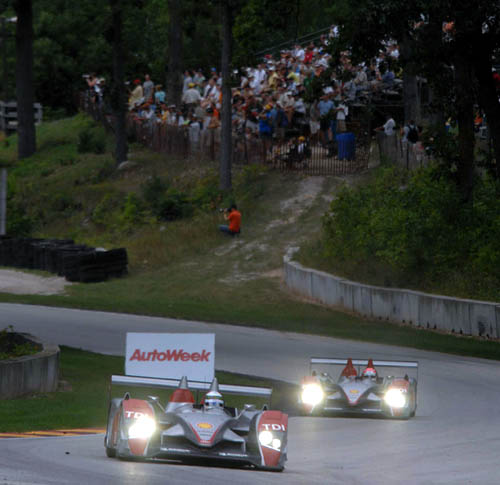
(226, 127)
(25, 92)
(118, 97)
(452, 45)
(175, 52)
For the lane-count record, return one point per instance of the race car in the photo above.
(360, 391)
(185, 431)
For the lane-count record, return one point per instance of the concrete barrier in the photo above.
(435, 312)
(30, 374)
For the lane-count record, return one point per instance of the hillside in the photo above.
(165, 212)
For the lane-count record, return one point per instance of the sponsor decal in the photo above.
(134, 414)
(171, 355)
(177, 355)
(354, 391)
(204, 425)
(238, 455)
(274, 427)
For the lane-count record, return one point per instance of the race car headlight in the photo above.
(266, 438)
(143, 427)
(395, 398)
(312, 394)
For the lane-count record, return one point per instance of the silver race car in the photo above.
(186, 431)
(360, 391)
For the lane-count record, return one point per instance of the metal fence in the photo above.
(403, 153)
(286, 154)
(289, 154)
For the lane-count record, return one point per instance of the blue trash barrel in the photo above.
(346, 146)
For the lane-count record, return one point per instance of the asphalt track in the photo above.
(455, 437)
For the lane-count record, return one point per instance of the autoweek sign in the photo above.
(171, 355)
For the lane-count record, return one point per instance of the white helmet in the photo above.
(213, 400)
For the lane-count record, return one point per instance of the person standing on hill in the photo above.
(148, 88)
(234, 217)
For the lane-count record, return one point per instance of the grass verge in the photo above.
(185, 268)
(85, 405)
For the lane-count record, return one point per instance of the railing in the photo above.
(287, 154)
(290, 154)
(306, 39)
(405, 154)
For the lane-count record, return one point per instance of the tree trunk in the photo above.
(118, 101)
(226, 128)
(411, 95)
(488, 98)
(25, 91)
(175, 48)
(465, 118)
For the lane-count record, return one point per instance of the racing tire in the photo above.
(110, 452)
(276, 469)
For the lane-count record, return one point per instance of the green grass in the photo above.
(187, 269)
(86, 404)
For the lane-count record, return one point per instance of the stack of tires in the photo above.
(76, 262)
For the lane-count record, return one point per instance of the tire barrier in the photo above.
(76, 262)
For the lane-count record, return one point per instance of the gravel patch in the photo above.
(21, 283)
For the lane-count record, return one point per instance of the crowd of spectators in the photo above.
(272, 99)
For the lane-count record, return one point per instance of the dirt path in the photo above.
(259, 254)
(21, 283)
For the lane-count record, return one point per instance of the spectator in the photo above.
(388, 126)
(234, 217)
(187, 80)
(326, 107)
(148, 88)
(137, 95)
(159, 94)
(191, 97)
(342, 112)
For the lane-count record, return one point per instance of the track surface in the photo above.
(455, 437)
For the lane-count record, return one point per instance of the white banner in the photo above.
(171, 355)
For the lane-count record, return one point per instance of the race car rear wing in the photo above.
(154, 382)
(404, 364)
(376, 363)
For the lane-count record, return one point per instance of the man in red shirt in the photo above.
(234, 218)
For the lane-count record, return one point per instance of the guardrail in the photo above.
(436, 312)
(30, 374)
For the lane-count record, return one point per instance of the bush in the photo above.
(175, 205)
(418, 226)
(153, 193)
(92, 139)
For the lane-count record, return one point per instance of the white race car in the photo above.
(360, 390)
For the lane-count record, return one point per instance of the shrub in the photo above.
(175, 205)
(153, 193)
(92, 139)
(417, 225)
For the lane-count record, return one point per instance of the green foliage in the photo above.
(14, 345)
(206, 193)
(101, 215)
(153, 193)
(175, 205)
(132, 213)
(417, 225)
(249, 182)
(92, 139)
